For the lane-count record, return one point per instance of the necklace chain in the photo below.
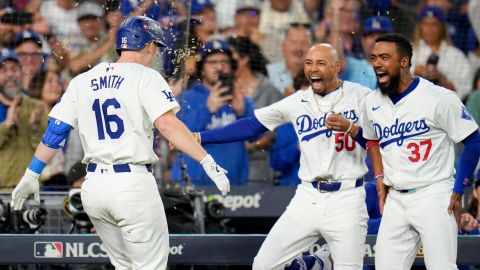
(334, 102)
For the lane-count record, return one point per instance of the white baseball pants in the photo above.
(412, 219)
(340, 217)
(128, 215)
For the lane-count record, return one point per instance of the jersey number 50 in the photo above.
(108, 119)
(343, 141)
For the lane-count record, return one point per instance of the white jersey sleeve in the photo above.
(366, 125)
(66, 109)
(452, 116)
(276, 114)
(156, 96)
(366, 108)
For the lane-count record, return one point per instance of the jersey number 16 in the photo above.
(105, 122)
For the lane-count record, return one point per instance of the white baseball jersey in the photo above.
(115, 105)
(324, 153)
(417, 133)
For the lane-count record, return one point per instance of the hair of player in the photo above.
(404, 46)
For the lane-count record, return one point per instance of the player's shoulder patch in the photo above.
(465, 114)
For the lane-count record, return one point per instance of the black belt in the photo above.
(328, 186)
(412, 190)
(118, 168)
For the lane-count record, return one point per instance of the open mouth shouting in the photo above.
(318, 84)
(382, 77)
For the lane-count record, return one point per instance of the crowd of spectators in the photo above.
(225, 58)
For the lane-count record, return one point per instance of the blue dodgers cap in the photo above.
(27, 35)
(8, 54)
(377, 24)
(432, 12)
(215, 46)
(199, 5)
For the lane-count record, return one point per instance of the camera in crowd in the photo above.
(73, 208)
(24, 221)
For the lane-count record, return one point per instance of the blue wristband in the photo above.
(36, 165)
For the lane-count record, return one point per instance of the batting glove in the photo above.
(28, 185)
(216, 173)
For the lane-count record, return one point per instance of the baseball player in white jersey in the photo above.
(330, 201)
(416, 123)
(116, 106)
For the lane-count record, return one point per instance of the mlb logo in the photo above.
(48, 250)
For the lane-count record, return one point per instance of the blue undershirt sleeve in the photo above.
(359, 138)
(468, 161)
(240, 130)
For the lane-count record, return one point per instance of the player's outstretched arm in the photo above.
(240, 130)
(181, 137)
(54, 138)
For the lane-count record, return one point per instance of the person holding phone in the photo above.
(212, 102)
(434, 56)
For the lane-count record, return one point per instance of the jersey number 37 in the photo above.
(106, 122)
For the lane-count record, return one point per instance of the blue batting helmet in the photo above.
(136, 32)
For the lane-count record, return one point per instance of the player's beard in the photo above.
(391, 87)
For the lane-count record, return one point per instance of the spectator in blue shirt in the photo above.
(213, 102)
